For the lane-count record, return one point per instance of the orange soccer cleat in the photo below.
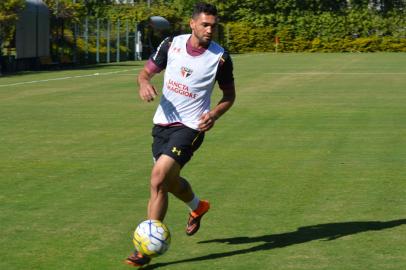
(195, 216)
(137, 259)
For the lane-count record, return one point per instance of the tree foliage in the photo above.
(65, 9)
(9, 10)
(250, 25)
(311, 25)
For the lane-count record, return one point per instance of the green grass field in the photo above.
(307, 171)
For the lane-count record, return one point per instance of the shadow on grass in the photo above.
(325, 232)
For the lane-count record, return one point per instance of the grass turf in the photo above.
(307, 171)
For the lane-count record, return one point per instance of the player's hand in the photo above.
(207, 121)
(147, 92)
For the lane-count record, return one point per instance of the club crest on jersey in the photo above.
(186, 72)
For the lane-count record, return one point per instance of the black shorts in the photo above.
(178, 142)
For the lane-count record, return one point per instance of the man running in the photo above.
(192, 64)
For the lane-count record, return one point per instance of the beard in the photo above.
(204, 40)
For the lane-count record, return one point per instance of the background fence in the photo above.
(88, 41)
(97, 41)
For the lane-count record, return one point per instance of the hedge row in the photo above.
(243, 37)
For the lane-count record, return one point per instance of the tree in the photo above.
(383, 6)
(97, 8)
(386, 6)
(9, 10)
(65, 9)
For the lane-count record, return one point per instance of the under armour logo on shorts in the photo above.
(176, 151)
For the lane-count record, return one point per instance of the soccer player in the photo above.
(192, 64)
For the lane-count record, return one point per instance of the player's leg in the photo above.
(164, 171)
(178, 143)
(164, 178)
(182, 190)
(181, 147)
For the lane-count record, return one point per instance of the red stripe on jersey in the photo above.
(152, 67)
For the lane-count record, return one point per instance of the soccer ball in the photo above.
(152, 238)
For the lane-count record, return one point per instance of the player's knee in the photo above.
(165, 175)
(159, 187)
(158, 183)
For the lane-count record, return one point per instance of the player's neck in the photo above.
(195, 43)
(192, 50)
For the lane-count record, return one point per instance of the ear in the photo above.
(192, 24)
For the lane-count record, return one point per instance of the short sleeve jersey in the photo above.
(188, 80)
(225, 71)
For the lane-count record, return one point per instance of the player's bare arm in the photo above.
(207, 120)
(147, 90)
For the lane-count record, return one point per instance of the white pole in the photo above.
(138, 47)
(135, 42)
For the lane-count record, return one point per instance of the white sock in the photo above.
(193, 204)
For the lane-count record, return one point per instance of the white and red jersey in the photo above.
(188, 83)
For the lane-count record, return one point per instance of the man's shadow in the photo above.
(325, 232)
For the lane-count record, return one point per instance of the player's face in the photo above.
(203, 28)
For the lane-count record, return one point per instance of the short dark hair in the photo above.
(202, 7)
